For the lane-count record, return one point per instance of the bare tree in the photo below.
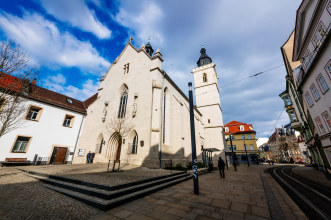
(122, 127)
(16, 73)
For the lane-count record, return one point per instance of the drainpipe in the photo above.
(80, 127)
(161, 117)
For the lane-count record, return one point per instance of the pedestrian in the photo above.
(269, 162)
(272, 162)
(92, 157)
(88, 155)
(221, 166)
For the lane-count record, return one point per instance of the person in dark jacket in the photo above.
(221, 166)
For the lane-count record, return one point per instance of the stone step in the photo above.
(105, 204)
(105, 194)
(99, 186)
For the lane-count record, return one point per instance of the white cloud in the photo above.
(78, 15)
(57, 83)
(145, 23)
(241, 37)
(49, 46)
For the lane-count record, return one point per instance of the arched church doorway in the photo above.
(114, 147)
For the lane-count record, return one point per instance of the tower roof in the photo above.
(149, 49)
(204, 58)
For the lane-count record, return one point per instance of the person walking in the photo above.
(88, 155)
(221, 166)
(92, 157)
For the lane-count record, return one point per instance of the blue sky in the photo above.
(76, 41)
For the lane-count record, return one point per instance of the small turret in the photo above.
(149, 49)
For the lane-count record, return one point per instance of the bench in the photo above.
(15, 161)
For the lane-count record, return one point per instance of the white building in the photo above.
(50, 129)
(312, 47)
(135, 88)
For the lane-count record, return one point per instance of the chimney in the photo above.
(25, 87)
(34, 81)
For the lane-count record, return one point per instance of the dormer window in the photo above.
(204, 77)
(226, 129)
(241, 127)
(69, 100)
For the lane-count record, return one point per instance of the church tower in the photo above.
(208, 101)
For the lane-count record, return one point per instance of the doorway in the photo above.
(59, 155)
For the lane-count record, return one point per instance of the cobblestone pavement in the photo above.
(96, 173)
(22, 197)
(240, 196)
(313, 175)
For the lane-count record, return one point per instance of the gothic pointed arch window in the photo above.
(135, 144)
(123, 102)
(164, 114)
(204, 77)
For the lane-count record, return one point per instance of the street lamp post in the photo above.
(246, 153)
(233, 158)
(194, 154)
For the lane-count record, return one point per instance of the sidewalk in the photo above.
(240, 196)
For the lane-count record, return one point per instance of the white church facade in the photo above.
(138, 95)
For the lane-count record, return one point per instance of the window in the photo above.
(309, 100)
(164, 115)
(307, 58)
(251, 147)
(319, 35)
(234, 148)
(204, 77)
(245, 147)
(287, 101)
(34, 113)
(135, 144)
(321, 82)
(249, 136)
(21, 144)
(243, 137)
(123, 102)
(232, 137)
(327, 119)
(292, 116)
(126, 68)
(226, 129)
(328, 68)
(2, 103)
(320, 125)
(313, 90)
(209, 121)
(68, 121)
(241, 127)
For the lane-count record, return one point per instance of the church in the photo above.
(141, 117)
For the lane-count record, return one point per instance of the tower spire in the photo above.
(204, 58)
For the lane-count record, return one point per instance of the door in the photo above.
(59, 155)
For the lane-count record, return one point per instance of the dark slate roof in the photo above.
(204, 58)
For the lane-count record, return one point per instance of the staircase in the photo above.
(107, 197)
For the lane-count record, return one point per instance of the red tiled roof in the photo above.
(90, 100)
(41, 94)
(234, 128)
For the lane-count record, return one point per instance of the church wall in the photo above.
(144, 83)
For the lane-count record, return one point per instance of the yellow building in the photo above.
(242, 135)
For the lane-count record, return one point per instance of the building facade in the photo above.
(312, 48)
(295, 106)
(50, 126)
(136, 92)
(284, 146)
(243, 140)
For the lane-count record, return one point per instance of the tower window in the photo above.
(204, 77)
(208, 120)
